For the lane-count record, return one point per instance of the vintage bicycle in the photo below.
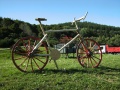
(30, 53)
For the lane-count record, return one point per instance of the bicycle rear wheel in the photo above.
(21, 55)
(89, 53)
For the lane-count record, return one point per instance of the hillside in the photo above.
(12, 30)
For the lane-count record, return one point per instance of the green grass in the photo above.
(70, 76)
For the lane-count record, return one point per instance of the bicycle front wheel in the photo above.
(21, 55)
(89, 53)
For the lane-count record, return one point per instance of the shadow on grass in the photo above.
(99, 70)
(109, 70)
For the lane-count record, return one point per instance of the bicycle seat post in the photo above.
(39, 20)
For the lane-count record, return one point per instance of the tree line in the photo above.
(12, 30)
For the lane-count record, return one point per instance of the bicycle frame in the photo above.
(45, 38)
(45, 33)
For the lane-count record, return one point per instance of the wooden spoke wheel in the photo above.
(89, 53)
(26, 61)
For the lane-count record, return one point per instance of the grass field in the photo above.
(70, 76)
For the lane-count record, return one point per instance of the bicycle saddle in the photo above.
(41, 19)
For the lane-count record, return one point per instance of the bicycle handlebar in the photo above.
(82, 18)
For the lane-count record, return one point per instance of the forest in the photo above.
(12, 30)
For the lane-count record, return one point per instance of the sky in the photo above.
(106, 12)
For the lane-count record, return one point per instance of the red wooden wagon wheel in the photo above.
(89, 53)
(21, 55)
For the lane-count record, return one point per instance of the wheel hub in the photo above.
(89, 53)
(30, 55)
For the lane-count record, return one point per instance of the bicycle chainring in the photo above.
(55, 54)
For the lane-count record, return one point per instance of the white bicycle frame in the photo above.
(45, 33)
(63, 30)
(45, 38)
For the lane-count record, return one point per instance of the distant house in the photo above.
(68, 49)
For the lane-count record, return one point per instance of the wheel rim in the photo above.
(89, 53)
(21, 55)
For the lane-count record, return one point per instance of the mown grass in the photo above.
(70, 76)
